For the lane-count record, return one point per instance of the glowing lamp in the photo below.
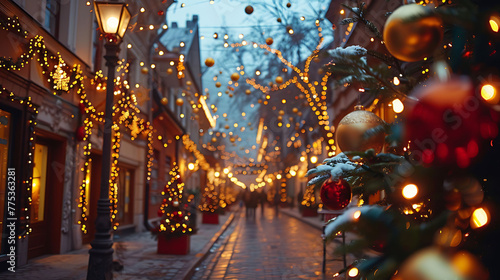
(488, 92)
(113, 18)
(191, 166)
(479, 218)
(397, 106)
(410, 191)
(314, 159)
(494, 23)
(353, 272)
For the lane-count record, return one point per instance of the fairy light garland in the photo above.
(63, 78)
(27, 181)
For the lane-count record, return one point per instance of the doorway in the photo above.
(46, 194)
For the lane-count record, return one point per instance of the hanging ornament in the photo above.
(179, 102)
(351, 130)
(279, 80)
(170, 71)
(80, 133)
(82, 108)
(214, 139)
(235, 77)
(269, 41)
(209, 62)
(218, 84)
(278, 20)
(248, 9)
(288, 5)
(335, 194)
(188, 83)
(411, 39)
(248, 92)
(164, 101)
(161, 13)
(446, 125)
(144, 70)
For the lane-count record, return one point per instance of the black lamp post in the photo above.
(113, 19)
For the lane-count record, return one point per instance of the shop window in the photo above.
(125, 186)
(37, 210)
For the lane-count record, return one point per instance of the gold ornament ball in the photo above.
(215, 110)
(235, 77)
(248, 9)
(218, 84)
(188, 83)
(281, 112)
(196, 110)
(269, 41)
(248, 92)
(179, 101)
(351, 129)
(144, 70)
(412, 40)
(280, 118)
(295, 110)
(279, 80)
(230, 95)
(209, 62)
(170, 71)
(278, 19)
(226, 126)
(214, 139)
(164, 101)
(288, 5)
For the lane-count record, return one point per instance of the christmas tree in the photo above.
(174, 208)
(436, 174)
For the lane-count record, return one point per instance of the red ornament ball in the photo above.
(80, 133)
(448, 124)
(177, 215)
(161, 13)
(335, 195)
(248, 9)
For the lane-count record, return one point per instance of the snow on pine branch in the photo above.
(334, 167)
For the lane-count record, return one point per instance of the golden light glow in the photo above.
(302, 158)
(278, 176)
(226, 170)
(314, 159)
(410, 191)
(217, 174)
(356, 215)
(397, 106)
(353, 272)
(488, 92)
(479, 218)
(395, 81)
(494, 23)
(191, 166)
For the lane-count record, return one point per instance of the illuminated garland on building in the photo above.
(27, 181)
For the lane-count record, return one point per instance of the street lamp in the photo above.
(113, 19)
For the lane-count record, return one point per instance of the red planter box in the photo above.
(210, 218)
(308, 212)
(173, 245)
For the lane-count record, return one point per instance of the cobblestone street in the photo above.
(268, 246)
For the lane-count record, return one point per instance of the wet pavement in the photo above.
(268, 246)
(273, 245)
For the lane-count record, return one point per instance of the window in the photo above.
(125, 187)
(37, 209)
(52, 16)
